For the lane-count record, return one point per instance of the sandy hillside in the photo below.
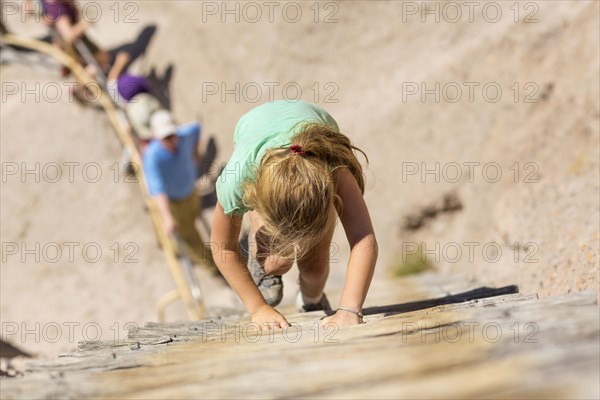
(539, 109)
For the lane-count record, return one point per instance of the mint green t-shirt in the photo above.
(267, 126)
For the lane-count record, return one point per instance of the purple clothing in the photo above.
(54, 9)
(130, 85)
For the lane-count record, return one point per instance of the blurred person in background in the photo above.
(133, 94)
(139, 110)
(65, 18)
(170, 165)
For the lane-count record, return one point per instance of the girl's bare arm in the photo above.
(227, 256)
(357, 225)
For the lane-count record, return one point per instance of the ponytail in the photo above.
(293, 190)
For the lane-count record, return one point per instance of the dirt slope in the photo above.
(361, 67)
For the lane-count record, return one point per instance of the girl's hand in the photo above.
(342, 319)
(268, 318)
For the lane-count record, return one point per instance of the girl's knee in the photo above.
(313, 271)
(277, 266)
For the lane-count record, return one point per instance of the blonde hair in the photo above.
(294, 193)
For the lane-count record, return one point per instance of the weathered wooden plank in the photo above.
(417, 353)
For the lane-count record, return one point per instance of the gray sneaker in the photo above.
(322, 305)
(270, 286)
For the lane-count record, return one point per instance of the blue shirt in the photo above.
(173, 174)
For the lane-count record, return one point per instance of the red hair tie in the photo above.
(297, 149)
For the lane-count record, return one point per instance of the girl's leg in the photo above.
(265, 269)
(314, 268)
(260, 250)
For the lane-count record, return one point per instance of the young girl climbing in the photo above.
(294, 173)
